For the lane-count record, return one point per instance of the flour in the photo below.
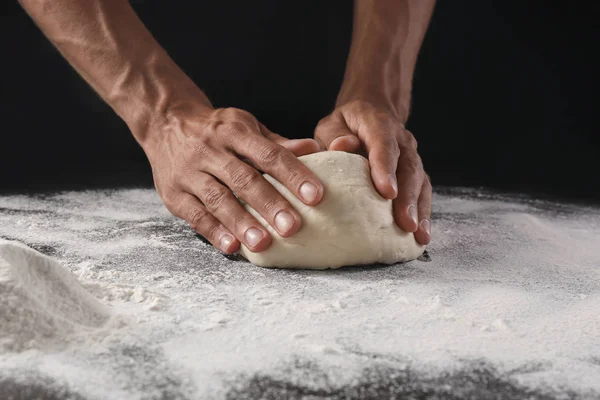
(40, 300)
(512, 296)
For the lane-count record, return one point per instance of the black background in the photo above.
(503, 94)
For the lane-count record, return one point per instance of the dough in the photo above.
(351, 225)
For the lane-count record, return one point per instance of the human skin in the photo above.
(374, 102)
(200, 156)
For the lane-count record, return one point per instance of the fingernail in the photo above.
(392, 180)
(253, 236)
(426, 226)
(226, 241)
(284, 221)
(308, 192)
(412, 211)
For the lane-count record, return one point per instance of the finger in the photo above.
(383, 152)
(254, 189)
(348, 143)
(410, 181)
(282, 165)
(299, 147)
(332, 133)
(380, 144)
(224, 206)
(423, 234)
(191, 210)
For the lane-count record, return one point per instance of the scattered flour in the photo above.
(513, 284)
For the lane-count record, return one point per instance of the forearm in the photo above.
(112, 50)
(386, 39)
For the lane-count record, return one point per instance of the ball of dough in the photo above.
(352, 225)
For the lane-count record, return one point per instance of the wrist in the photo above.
(156, 97)
(152, 124)
(378, 83)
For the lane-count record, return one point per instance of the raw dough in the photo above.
(352, 225)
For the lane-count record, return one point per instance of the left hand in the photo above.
(396, 167)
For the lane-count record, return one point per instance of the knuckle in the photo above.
(171, 200)
(214, 126)
(243, 178)
(212, 232)
(389, 144)
(235, 112)
(231, 166)
(272, 206)
(197, 219)
(412, 141)
(199, 149)
(270, 155)
(413, 165)
(296, 177)
(170, 205)
(322, 122)
(413, 197)
(180, 174)
(213, 198)
(427, 181)
(236, 128)
(229, 111)
(234, 115)
(245, 220)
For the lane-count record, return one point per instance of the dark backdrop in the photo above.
(502, 97)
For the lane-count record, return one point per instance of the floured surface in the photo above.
(509, 304)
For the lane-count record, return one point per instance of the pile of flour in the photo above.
(135, 306)
(40, 300)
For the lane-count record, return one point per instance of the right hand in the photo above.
(202, 156)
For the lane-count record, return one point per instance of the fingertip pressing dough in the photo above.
(352, 225)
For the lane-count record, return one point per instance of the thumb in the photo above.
(332, 133)
(299, 147)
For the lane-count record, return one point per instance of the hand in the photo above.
(202, 156)
(396, 167)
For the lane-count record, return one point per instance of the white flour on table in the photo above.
(513, 286)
